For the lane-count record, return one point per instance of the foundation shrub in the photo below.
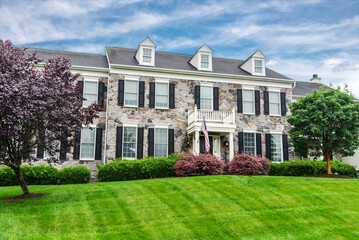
(74, 175)
(244, 164)
(198, 165)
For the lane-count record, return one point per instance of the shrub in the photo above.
(122, 170)
(199, 165)
(74, 175)
(307, 168)
(8, 177)
(244, 164)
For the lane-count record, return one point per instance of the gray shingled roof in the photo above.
(303, 88)
(125, 56)
(77, 59)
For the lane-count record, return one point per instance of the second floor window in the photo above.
(129, 142)
(131, 93)
(147, 55)
(161, 141)
(249, 143)
(274, 103)
(258, 68)
(248, 101)
(204, 61)
(88, 143)
(206, 98)
(90, 93)
(276, 147)
(161, 97)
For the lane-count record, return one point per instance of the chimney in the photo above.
(315, 79)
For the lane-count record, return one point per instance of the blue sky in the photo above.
(299, 38)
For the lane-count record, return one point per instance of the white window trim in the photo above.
(168, 95)
(152, 63)
(154, 140)
(161, 126)
(281, 145)
(123, 137)
(248, 87)
(255, 140)
(263, 73)
(209, 61)
(89, 79)
(200, 97)
(134, 79)
(206, 84)
(94, 149)
(254, 103)
(271, 114)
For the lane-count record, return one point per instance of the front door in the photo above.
(202, 144)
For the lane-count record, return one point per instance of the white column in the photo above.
(231, 149)
(196, 142)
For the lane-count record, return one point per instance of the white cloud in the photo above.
(272, 63)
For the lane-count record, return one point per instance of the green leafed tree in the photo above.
(324, 123)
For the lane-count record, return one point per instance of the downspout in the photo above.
(107, 110)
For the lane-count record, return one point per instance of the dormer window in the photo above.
(147, 55)
(204, 61)
(258, 66)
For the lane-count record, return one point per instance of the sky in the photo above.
(298, 38)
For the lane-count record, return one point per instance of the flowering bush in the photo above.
(198, 165)
(244, 164)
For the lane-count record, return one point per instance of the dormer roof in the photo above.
(196, 60)
(147, 43)
(145, 54)
(249, 65)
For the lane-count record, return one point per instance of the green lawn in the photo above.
(211, 207)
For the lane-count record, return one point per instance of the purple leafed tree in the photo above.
(38, 105)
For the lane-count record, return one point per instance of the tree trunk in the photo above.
(22, 182)
(327, 158)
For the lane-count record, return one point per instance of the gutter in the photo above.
(107, 111)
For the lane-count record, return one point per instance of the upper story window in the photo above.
(162, 95)
(276, 148)
(87, 150)
(274, 103)
(258, 66)
(249, 143)
(206, 98)
(147, 55)
(90, 93)
(204, 61)
(129, 142)
(161, 142)
(131, 93)
(248, 101)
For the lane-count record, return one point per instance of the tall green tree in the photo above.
(324, 123)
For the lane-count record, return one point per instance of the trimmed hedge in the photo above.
(307, 168)
(45, 175)
(245, 164)
(122, 170)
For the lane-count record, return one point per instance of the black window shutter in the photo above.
(121, 92)
(101, 94)
(266, 103)
(152, 94)
(285, 147)
(98, 146)
(239, 101)
(63, 151)
(151, 142)
(81, 83)
(119, 142)
(141, 95)
(171, 141)
(172, 96)
(77, 142)
(259, 143)
(40, 151)
(197, 96)
(240, 143)
(140, 143)
(268, 147)
(257, 101)
(283, 107)
(215, 99)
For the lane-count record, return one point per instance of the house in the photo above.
(155, 103)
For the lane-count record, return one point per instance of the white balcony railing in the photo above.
(211, 116)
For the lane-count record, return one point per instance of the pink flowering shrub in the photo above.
(198, 165)
(244, 164)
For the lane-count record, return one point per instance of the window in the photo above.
(90, 93)
(204, 61)
(258, 68)
(161, 95)
(147, 55)
(274, 108)
(131, 93)
(87, 143)
(249, 143)
(248, 101)
(276, 147)
(206, 98)
(161, 142)
(129, 142)
(56, 143)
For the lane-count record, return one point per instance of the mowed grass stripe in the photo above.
(210, 207)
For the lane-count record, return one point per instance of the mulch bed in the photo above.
(330, 176)
(22, 196)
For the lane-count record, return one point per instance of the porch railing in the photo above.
(211, 116)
